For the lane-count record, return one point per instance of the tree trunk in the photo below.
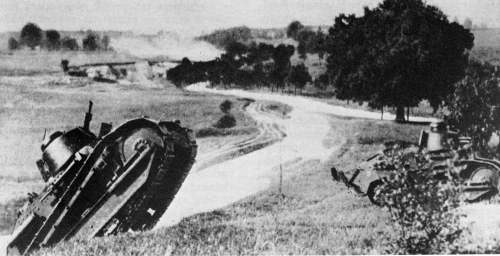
(382, 116)
(408, 114)
(400, 113)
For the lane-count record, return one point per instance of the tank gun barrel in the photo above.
(88, 117)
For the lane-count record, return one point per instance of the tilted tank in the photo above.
(479, 176)
(123, 179)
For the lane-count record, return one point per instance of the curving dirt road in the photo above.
(209, 187)
(269, 133)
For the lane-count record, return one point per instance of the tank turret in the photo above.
(124, 179)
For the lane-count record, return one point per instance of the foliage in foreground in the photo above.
(475, 106)
(422, 202)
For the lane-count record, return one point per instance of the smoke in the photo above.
(168, 44)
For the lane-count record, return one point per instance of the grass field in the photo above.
(31, 105)
(311, 215)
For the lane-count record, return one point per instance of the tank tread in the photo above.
(167, 183)
(171, 174)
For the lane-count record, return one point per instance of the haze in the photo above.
(195, 17)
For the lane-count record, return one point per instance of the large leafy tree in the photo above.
(397, 54)
(31, 35)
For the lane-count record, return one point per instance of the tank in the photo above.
(122, 179)
(479, 176)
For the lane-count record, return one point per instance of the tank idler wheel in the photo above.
(371, 193)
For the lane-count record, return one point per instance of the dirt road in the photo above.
(222, 184)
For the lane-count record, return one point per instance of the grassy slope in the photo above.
(313, 215)
(29, 105)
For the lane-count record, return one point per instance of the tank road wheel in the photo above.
(482, 184)
(372, 192)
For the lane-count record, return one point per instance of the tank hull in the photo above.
(126, 180)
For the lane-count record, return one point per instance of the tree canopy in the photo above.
(53, 39)
(299, 76)
(397, 54)
(31, 35)
(293, 29)
(91, 42)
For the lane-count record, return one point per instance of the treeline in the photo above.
(256, 64)
(33, 37)
(224, 37)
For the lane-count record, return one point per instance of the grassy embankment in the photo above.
(30, 103)
(312, 215)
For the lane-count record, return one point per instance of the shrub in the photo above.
(226, 106)
(69, 44)
(227, 121)
(91, 42)
(475, 106)
(422, 204)
(13, 44)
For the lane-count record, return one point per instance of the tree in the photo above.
(397, 54)
(91, 42)
(52, 40)
(69, 44)
(319, 45)
(105, 42)
(468, 23)
(281, 68)
(321, 82)
(293, 29)
(307, 41)
(31, 36)
(299, 76)
(474, 106)
(13, 44)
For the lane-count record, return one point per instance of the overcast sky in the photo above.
(195, 17)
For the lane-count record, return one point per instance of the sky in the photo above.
(203, 16)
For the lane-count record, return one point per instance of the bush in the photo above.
(91, 42)
(13, 44)
(422, 204)
(69, 44)
(475, 106)
(226, 121)
(226, 106)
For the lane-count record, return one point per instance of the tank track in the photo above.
(175, 165)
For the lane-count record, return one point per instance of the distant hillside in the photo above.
(487, 37)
